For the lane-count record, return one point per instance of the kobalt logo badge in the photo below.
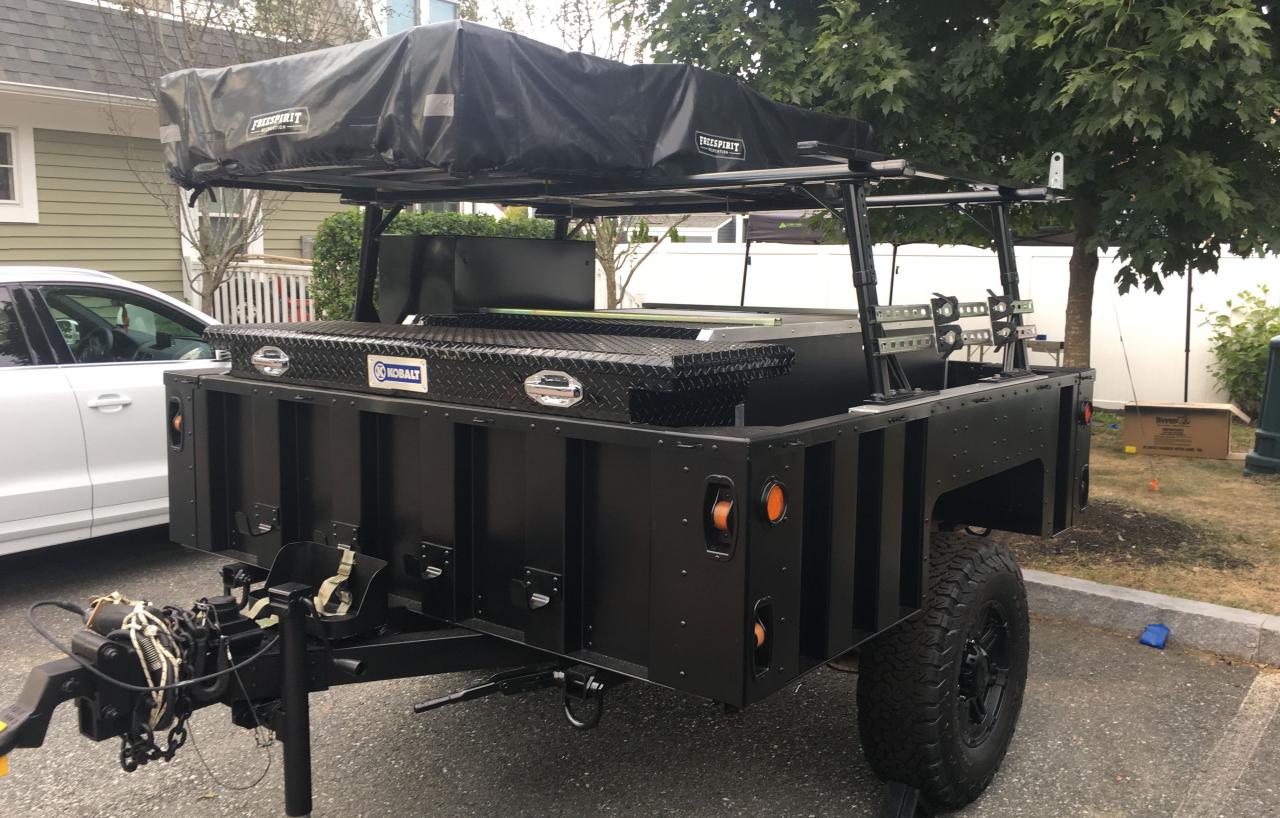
(387, 372)
(291, 120)
(721, 147)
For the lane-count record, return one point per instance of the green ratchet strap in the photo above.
(334, 598)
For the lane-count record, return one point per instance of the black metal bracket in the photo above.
(346, 535)
(265, 519)
(537, 589)
(826, 151)
(436, 561)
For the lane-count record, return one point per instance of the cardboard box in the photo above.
(1180, 429)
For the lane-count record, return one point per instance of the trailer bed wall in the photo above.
(610, 521)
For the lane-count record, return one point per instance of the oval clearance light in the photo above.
(774, 501)
(760, 634)
(1086, 412)
(177, 423)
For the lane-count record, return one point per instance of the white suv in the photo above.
(82, 410)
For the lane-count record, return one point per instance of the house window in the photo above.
(405, 14)
(17, 176)
(8, 169)
(227, 220)
(440, 11)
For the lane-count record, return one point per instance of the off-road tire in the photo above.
(915, 727)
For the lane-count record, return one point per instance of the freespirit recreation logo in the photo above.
(275, 123)
(721, 147)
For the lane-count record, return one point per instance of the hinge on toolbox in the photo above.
(537, 589)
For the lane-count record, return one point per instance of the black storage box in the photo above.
(665, 382)
(418, 275)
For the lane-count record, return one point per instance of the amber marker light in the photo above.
(774, 501)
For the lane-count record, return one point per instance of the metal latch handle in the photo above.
(270, 361)
(537, 601)
(553, 388)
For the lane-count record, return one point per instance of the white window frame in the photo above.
(191, 219)
(25, 209)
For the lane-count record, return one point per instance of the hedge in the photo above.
(336, 252)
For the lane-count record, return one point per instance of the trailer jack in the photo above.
(582, 685)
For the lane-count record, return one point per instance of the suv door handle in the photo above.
(110, 402)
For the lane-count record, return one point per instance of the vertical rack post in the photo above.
(864, 284)
(368, 271)
(1003, 235)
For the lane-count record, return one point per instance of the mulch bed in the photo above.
(1111, 532)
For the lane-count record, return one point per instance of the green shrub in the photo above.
(336, 253)
(1240, 344)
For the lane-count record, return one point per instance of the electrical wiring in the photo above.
(71, 607)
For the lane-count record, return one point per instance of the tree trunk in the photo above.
(1083, 268)
(610, 284)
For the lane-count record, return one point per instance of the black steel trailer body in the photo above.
(615, 522)
(515, 517)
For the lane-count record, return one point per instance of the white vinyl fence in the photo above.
(265, 293)
(1152, 325)
(799, 276)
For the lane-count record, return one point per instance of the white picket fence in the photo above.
(265, 293)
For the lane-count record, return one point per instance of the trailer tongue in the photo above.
(481, 472)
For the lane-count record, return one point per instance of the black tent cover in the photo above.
(460, 100)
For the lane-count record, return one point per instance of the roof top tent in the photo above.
(715, 500)
(462, 111)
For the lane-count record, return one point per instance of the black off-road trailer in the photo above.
(483, 472)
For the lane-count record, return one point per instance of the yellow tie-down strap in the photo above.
(334, 598)
(4, 760)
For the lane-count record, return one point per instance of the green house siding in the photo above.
(95, 212)
(294, 217)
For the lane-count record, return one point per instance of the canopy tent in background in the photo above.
(778, 227)
(784, 227)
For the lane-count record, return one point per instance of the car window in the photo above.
(105, 325)
(14, 350)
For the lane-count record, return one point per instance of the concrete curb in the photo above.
(1248, 635)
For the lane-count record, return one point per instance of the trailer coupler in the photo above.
(582, 685)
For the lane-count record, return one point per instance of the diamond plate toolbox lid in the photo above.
(661, 381)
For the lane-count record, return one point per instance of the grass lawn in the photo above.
(1208, 533)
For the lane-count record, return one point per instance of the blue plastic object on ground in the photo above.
(1155, 636)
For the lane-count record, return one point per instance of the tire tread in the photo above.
(905, 676)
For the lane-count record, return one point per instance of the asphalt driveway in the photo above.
(1110, 728)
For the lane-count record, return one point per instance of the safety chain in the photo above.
(138, 746)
